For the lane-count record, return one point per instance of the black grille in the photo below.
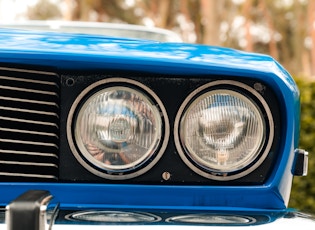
(29, 125)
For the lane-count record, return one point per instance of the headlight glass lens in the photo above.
(222, 131)
(118, 129)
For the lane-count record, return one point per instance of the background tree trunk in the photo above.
(209, 19)
(273, 50)
(311, 23)
(247, 7)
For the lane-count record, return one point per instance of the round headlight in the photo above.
(118, 130)
(221, 132)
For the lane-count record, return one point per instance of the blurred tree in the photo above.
(246, 12)
(298, 32)
(303, 192)
(267, 14)
(311, 33)
(105, 10)
(44, 10)
(210, 21)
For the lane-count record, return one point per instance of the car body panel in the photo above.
(60, 53)
(95, 52)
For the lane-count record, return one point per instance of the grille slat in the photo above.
(28, 111)
(17, 120)
(28, 132)
(22, 100)
(12, 176)
(29, 125)
(25, 90)
(23, 153)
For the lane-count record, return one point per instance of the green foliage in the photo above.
(303, 192)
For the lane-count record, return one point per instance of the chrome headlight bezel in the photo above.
(253, 97)
(92, 165)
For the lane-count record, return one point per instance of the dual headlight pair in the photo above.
(119, 129)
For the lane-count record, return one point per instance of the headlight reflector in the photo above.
(220, 132)
(223, 130)
(119, 132)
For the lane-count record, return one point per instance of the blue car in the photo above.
(107, 132)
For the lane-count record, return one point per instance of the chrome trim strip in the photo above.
(29, 111)
(27, 175)
(29, 101)
(27, 71)
(28, 153)
(28, 80)
(29, 132)
(28, 142)
(28, 163)
(28, 90)
(28, 121)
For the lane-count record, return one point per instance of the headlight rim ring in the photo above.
(85, 95)
(213, 175)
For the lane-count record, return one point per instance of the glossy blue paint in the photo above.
(82, 52)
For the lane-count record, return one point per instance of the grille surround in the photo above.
(36, 126)
(29, 125)
(172, 91)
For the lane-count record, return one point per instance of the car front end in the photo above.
(120, 132)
